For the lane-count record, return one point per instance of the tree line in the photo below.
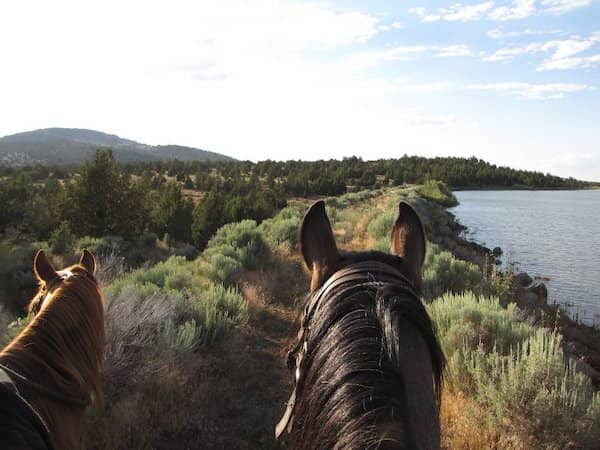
(104, 197)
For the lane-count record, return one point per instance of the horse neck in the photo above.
(414, 361)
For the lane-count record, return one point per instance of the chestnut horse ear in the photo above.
(408, 240)
(317, 244)
(88, 261)
(42, 268)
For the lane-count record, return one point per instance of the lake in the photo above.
(554, 235)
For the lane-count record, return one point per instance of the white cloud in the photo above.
(532, 91)
(498, 33)
(453, 50)
(420, 11)
(361, 60)
(511, 10)
(571, 63)
(429, 87)
(456, 12)
(563, 6)
(561, 52)
(509, 53)
(397, 25)
(520, 9)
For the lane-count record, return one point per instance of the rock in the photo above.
(573, 334)
(497, 251)
(523, 279)
(541, 291)
(535, 296)
(585, 368)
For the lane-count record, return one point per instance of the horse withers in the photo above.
(50, 372)
(367, 365)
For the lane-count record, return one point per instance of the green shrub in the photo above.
(214, 312)
(246, 240)
(103, 246)
(61, 239)
(380, 229)
(149, 239)
(467, 322)
(516, 372)
(444, 273)
(540, 396)
(278, 231)
(220, 267)
(14, 329)
(438, 192)
(189, 252)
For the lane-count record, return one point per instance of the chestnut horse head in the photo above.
(53, 365)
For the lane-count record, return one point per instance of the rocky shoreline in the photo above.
(580, 342)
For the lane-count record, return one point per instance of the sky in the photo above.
(514, 82)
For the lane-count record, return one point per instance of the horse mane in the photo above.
(352, 392)
(62, 348)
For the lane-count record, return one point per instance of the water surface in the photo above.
(554, 235)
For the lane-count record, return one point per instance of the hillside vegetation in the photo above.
(196, 346)
(64, 146)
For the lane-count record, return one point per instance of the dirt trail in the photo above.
(229, 396)
(246, 383)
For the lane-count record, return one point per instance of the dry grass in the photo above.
(466, 426)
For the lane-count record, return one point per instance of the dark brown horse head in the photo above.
(55, 361)
(367, 365)
(322, 257)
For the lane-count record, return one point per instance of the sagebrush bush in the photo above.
(102, 246)
(279, 230)
(380, 228)
(467, 322)
(517, 373)
(61, 239)
(213, 312)
(352, 198)
(438, 192)
(444, 273)
(135, 316)
(220, 266)
(172, 304)
(246, 240)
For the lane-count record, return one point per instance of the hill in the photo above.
(64, 146)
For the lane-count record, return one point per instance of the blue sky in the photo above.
(513, 82)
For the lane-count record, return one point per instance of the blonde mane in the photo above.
(62, 349)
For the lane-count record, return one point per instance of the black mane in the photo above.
(351, 392)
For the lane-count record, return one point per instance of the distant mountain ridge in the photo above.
(63, 146)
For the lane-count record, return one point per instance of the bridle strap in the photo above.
(44, 391)
(368, 274)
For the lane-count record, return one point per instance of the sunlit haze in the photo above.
(512, 82)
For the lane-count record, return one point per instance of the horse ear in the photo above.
(317, 243)
(42, 268)
(88, 261)
(408, 239)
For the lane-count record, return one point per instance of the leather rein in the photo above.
(363, 275)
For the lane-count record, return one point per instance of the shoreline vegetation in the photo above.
(203, 298)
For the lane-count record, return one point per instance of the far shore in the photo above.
(523, 188)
